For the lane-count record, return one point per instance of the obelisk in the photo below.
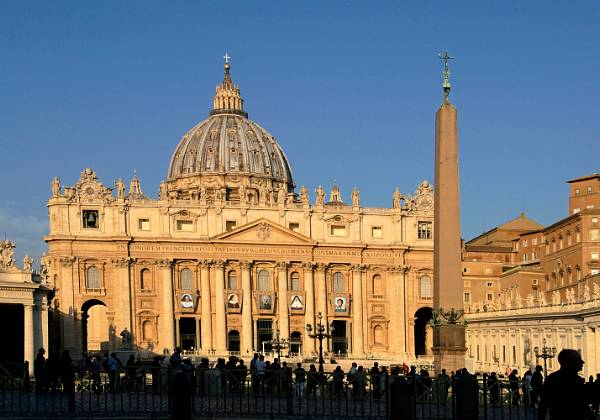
(448, 321)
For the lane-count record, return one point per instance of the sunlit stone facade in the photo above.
(229, 252)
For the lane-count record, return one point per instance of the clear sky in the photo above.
(349, 89)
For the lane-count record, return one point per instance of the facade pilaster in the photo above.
(309, 315)
(28, 334)
(247, 342)
(322, 297)
(43, 327)
(220, 318)
(206, 322)
(168, 333)
(67, 305)
(358, 346)
(282, 304)
(122, 296)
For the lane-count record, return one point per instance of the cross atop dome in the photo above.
(227, 98)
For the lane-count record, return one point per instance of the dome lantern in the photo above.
(227, 97)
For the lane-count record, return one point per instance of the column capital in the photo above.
(205, 263)
(282, 265)
(321, 267)
(308, 266)
(164, 263)
(394, 269)
(360, 268)
(122, 262)
(28, 306)
(66, 261)
(219, 264)
(246, 265)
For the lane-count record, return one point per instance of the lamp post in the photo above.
(320, 333)
(278, 344)
(545, 353)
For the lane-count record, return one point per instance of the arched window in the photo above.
(147, 331)
(264, 280)
(186, 279)
(92, 278)
(425, 287)
(377, 285)
(296, 342)
(295, 281)
(233, 340)
(338, 282)
(378, 338)
(232, 280)
(145, 279)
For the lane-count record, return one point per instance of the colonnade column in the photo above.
(206, 322)
(28, 342)
(43, 309)
(221, 326)
(309, 314)
(246, 308)
(282, 301)
(167, 337)
(358, 347)
(322, 298)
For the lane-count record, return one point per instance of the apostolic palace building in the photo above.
(230, 255)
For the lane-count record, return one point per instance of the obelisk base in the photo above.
(449, 348)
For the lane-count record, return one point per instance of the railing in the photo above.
(156, 391)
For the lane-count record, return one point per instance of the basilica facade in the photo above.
(231, 255)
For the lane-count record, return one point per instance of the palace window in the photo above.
(424, 230)
(577, 191)
(569, 239)
(467, 297)
(376, 232)
(264, 280)
(90, 219)
(232, 280)
(594, 235)
(337, 230)
(295, 281)
(185, 225)
(145, 279)
(490, 284)
(92, 278)
(490, 297)
(338, 282)
(594, 221)
(378, 336)
(595, 255)
(294, 226)
(186, 279)
(377, 285)
(230, 225)
(144, 224)
(589, 190)
(425, 287)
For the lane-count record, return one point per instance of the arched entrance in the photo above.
(423, 332)
(296, 342)
(95, 335)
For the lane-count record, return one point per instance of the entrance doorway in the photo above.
(296, 343)
(233, 341)
(423, 332)
(11, 350)
(187, 333)
(95, 329)
(339, 341)
(264, 334)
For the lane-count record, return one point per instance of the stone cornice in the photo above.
(308, 266)
(122, 262)
(164, 263)
(66, 261)
(321, 267)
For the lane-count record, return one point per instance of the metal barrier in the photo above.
(157, 392)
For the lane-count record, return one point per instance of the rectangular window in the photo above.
(576, 191)
(185, 225)
(490, 284)
(490, 297)
(594, 220)
(594, 235)
(514, 358)
(524, 243)
(467, 297)
(294, 226)
(338, 230)
(424, 230)
(230, 225)
(90, 219)
(595, 255)
(376, 232)
(589, 190)
(534, 241)
(144, 224)
(503, 354)
(477, 351)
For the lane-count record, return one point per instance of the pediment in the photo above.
(264, 231)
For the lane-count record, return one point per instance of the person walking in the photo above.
(513, 386)
(300, 379)
(113, 371)
(563, 393)
(39, 371)
(537, 381)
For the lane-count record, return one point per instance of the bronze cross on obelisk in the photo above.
(446, 85)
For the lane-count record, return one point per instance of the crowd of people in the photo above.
(265, 377)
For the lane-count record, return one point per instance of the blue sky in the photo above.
(348, 88)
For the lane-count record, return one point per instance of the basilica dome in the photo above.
(228, 153)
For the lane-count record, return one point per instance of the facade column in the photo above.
(247, 335)
(309, 315)
(322, 298)
(395, 292)
(168, 334)
(123, 295)
(28, 333)
(282, 301)
(220, 318)
(358, 346)
(206, 322)
(43, 328)
(67, 306)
